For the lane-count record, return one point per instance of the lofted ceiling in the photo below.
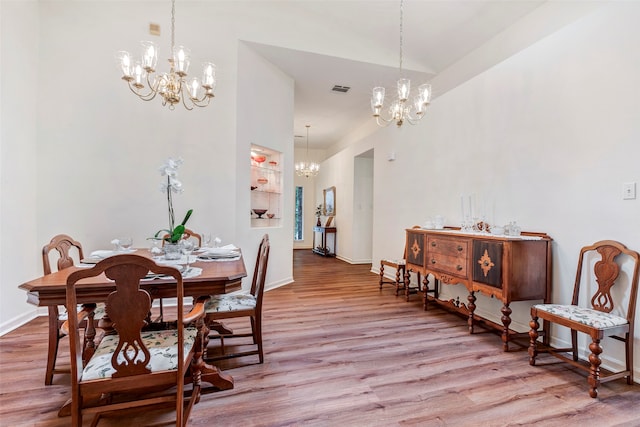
(444, 43)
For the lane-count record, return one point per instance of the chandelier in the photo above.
(401, 111)
(307, 168)
(172, 86)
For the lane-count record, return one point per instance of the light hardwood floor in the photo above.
(339, 352)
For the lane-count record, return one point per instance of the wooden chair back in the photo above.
(127, 307)
(606, 272)
(62, 244)
(260, 270)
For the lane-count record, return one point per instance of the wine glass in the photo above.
(206, 240)
(187, 247)
(125, 243)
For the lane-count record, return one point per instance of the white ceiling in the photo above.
(444, 42)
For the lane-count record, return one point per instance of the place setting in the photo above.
(224, 253)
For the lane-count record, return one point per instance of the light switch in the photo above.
(628, 190)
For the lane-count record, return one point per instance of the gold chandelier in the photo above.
(401, 111)
(172, 86)
(307, 168)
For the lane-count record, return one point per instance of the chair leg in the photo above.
(381, 275)
(407, 284)
(594, 371)
(54, 338)
(574, 344)
(628, 343)
(533, 340)
(400, 272)
(256, 325)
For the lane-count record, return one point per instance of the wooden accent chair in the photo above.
(218, 307)
(601, 318)
(401, 274)
(140, 364)
(64, 245)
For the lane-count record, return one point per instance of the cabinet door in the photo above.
(415, 248)
(487, 262)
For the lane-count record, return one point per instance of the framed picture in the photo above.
(329, 201)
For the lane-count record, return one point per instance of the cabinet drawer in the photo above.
(446, 246)
(448, 264)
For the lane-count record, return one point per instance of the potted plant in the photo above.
(173, 234)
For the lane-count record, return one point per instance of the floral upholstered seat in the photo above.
(225, 302)
(586, 316)
(161, 344)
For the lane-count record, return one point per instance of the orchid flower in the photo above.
(172, 185)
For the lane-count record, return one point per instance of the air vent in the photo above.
(341, 89)
(154, 29)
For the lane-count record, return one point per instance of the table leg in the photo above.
(209, 373)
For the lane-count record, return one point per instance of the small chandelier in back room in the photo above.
(400, 111)
(307, 168)
(172, 86)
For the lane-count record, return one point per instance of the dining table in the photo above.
(216, 277)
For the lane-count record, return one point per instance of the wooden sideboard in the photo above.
(509, 268)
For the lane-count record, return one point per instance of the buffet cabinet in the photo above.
(509, 268)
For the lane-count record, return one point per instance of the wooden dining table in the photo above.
(217, 277)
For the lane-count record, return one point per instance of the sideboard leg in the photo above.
(506, 321)
(472, 308)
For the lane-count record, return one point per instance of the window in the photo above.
(297, 231)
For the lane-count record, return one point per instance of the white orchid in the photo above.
(172, 185)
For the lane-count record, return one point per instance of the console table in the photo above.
(322, 249)
(509, 268)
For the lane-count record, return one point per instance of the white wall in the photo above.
(339, 171)
(547, 137)
(311, 199)
(18, 160)
(265, 118)
(80, 153)
(362, 228)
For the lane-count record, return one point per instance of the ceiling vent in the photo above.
(340, 89)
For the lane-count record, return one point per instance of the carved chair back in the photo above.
(130, 365)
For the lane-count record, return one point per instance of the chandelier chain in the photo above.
(401, 36)
(173, 25)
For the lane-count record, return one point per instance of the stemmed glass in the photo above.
(124, 243)
(206, 240)
(187, 247)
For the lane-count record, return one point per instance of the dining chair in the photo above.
(64, 245)
(226, 306)
(137, 364)
(401, 274)
(603, 314)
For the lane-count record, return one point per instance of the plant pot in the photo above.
(172, 251)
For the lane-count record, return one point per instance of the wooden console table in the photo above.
(322, 249)
(509, 268)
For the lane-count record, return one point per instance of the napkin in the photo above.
(228, 251)
(102, 254)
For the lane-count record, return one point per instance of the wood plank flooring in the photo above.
(339, 352)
